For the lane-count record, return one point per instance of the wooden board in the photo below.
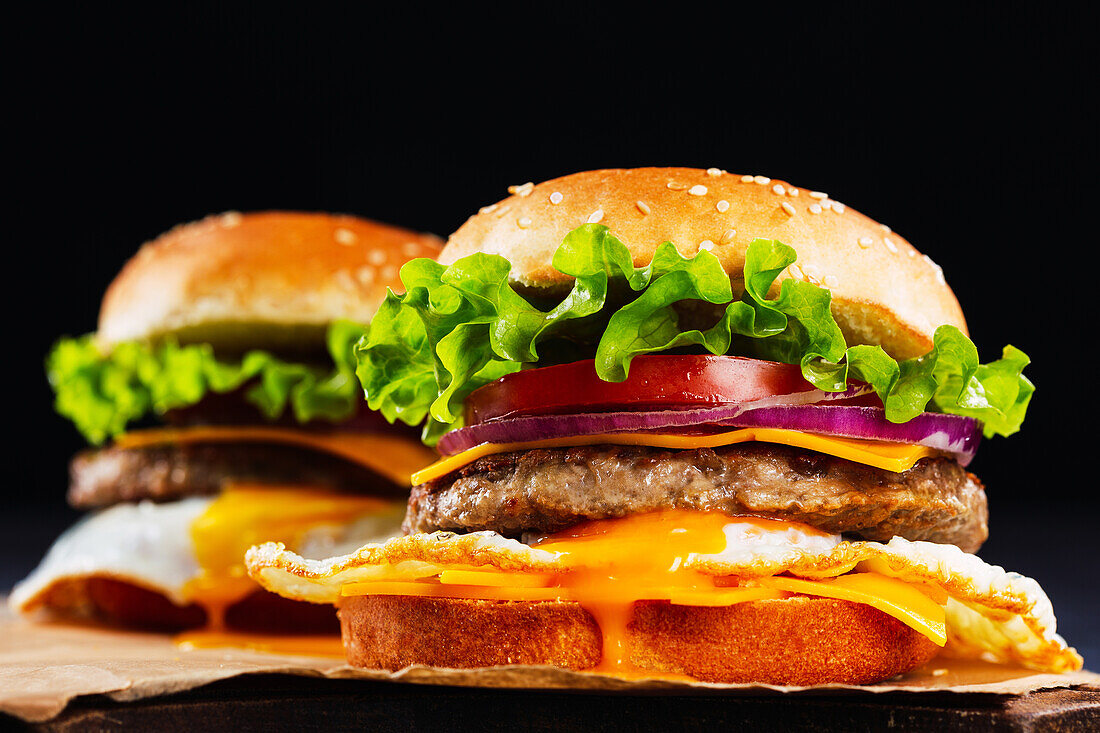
(280, 702)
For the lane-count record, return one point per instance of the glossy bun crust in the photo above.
(884, 291)
(794, 641)
(265, 279)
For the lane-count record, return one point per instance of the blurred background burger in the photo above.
(219, 398)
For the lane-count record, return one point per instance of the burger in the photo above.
(694, 425)
(220, 399)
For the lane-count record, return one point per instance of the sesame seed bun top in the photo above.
(884, 291)
(262, 280)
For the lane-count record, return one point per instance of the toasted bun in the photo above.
(884, 291)
(123, 603)
(266, 279)
(794, 641)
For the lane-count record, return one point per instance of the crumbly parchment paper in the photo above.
(45, 665)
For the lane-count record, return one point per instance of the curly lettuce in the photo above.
(459, 327)
(102, 392)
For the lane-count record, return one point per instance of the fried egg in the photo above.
(990, 613)
(167, 548)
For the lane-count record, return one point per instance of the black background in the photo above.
(968, 131)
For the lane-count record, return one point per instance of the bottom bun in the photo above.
(794, 641)
(128, 605)
(125, 604)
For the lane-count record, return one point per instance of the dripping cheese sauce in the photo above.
(243, 515)
(609, 565)
(642, 554)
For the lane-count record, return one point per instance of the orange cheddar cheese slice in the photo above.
(896, 457)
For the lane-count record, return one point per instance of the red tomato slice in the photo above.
(655, 383)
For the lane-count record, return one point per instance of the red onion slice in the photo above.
(540, 427)
(949, 433)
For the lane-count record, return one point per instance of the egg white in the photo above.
(150, 545)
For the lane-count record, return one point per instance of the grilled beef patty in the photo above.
(547, 490)
(107, 476)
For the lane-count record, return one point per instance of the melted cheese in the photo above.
(391, 456)
(608, 565)
(894, 597)
(243, 515)
(896, 457)
(317, 645)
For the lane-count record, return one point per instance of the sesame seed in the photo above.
(522, 190)
(523, 222)
(344, 280)
(706, 244)
(676, 185)
(815, 208)
(230, 219)
(365, 274)
(746, 179)
(911, 252)
(723, 206)
(939, 672)
(838, 207)
(865, 242)
(389, 272)
(778, 189)
(410, 249)
(488, 209)
(889, 244)
(556, 197)
(826, 204)
(376, 257)
(642, 207)
(345, 237)
(714, 172)
(596, 216)
(792, 191)
(762, 180)
(698, 190)
(727, 236)
(796, 272)
(885, 228)
(810, 270)
(937, 268)
(830, 281)
(788, 208)
(818, 195)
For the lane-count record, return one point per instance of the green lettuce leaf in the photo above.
(460, 327)
(103, 392)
